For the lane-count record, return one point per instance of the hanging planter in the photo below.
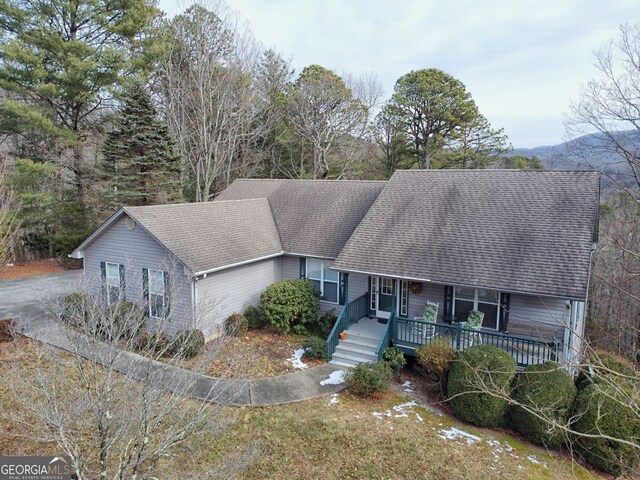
(415, 287)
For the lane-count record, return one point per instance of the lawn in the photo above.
(332, 437)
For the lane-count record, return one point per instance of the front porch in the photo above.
(409, 334)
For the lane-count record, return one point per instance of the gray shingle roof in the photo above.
(314, 217)
(518, 231)
(206, 236)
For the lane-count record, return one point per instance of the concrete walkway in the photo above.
(25, 299)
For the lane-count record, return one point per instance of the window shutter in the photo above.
(344, 288)
(303, 267)
(123, 292)
(505, 299)
(167, 295)
(103, 278)
(448, 301)
(145, 289)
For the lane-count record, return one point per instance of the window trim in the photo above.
(322, 280)
(120, 282)
(150, 271)
(475, 302)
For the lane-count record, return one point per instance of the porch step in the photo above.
(360, 345)
(362, 355)
(347, 360)
(356, 341)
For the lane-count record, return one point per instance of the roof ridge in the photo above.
(184, 204)
(332, 180)
(476, 170)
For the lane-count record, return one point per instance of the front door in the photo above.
(387, 293)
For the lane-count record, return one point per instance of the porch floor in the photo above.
(368, 328)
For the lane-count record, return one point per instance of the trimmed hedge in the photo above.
(255, 318)
(600, 409)
(365, 379)
(325, 323)
(602, 366)
(188, 343)
(76, 308)
(481, 365)
(156, 342)
(549, 390)
(125, 320)
(394, 357)
(290, 304)
(315, 348)
(236, 325)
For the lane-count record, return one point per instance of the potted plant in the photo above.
(343, 335)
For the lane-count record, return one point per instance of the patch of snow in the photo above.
(533, 459)
(334, 399)
(406, 384)
(406, 387)
(296, 359)
(419, 418)
(381, 415)
(454, 433)
(335, 378)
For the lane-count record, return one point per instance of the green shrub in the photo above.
(394, 357)
(124, 320)
(236, 325)
(601, 366)
(602, 409)
(77, 307)
(156, 342)
(188, 343)
(325, 323)
(481, 367)
(255, 318)
(290, 304)
(8, 329)
(365, 379)
(436, 359)
(315, 348)
(548, 390)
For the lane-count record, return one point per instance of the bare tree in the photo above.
(207, 77)
(605, 122)
(8, 222)
(110, 424)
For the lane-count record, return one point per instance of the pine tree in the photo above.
(139, 164)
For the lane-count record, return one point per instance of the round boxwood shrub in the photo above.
(601, 366)
(365, 379)
(315, 348)
(123, 320)
(601, 409)
(325, 323)
(155, 342)
(188, 343)
(478, 370)
(77, 307)
(255, 318)
(236, 325)
(436, 359)
(290, 304)
(548, 390)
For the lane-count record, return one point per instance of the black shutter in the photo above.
(167, 295)
(303, 267)
(505, 299)
(448, 302)
(103, 279)
(344, 287)
(371, 312)
(145, 289)
(123, 292)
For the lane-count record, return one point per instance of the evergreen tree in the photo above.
(139, 164)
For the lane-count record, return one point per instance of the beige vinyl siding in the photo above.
(136, 249)
(229, 291)
(541, 317)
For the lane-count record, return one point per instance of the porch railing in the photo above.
(351, 313)
(385, 340)
(413, 333)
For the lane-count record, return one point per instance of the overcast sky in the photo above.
(522, 61)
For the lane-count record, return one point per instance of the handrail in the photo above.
(351, 313)
(386, 338)
(413, 333)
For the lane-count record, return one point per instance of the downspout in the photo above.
(194, 298)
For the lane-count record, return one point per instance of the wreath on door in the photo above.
(415, 287)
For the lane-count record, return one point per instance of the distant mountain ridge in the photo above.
(563, 156)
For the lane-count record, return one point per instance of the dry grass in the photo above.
(258, 354)
(319, 439)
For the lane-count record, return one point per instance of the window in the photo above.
(157, 294)
(486, 301)
(113, 279)
(404, 298)
(324, 279)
